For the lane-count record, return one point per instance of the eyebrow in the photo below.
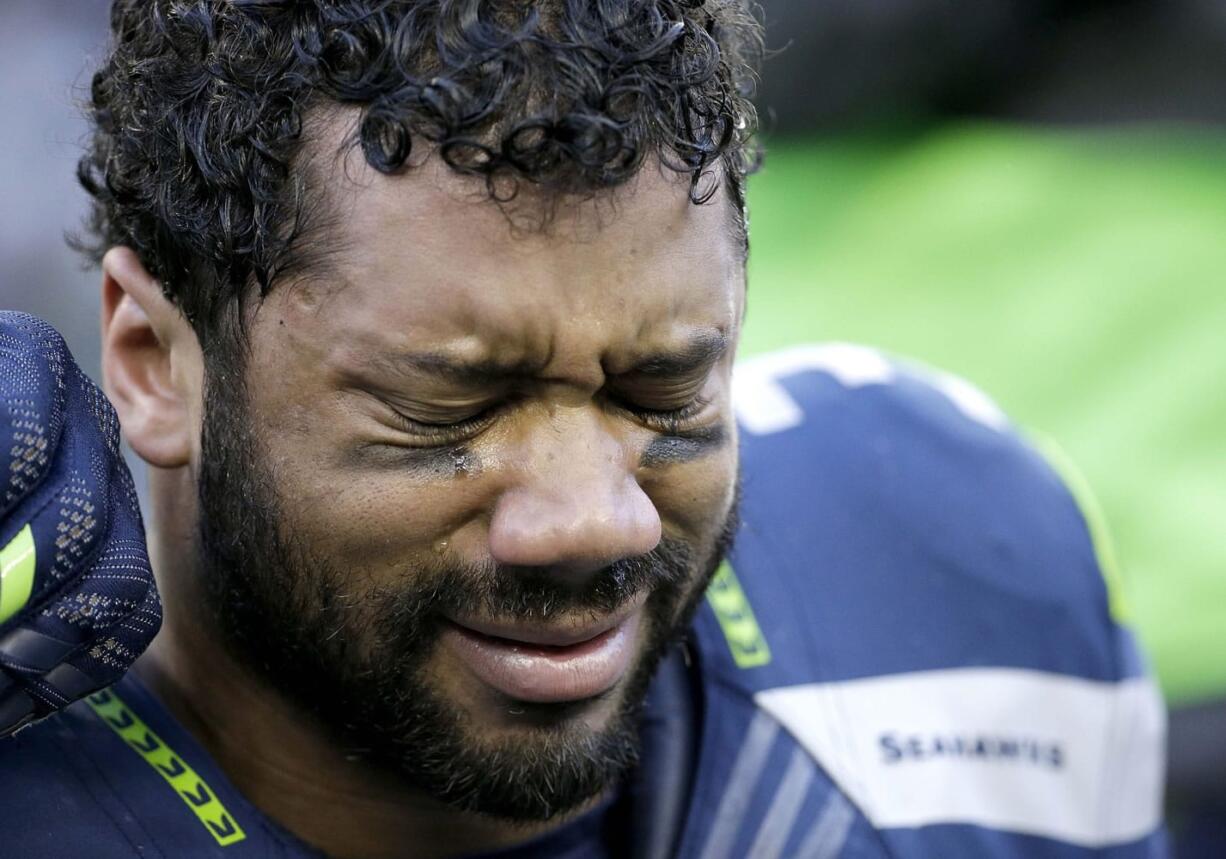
(702, 350)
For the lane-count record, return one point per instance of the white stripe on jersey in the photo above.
(1044, 754)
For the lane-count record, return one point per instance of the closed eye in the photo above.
(443, 433)
(671, 421)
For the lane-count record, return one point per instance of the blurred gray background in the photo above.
(46, 50)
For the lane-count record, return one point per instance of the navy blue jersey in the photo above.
(912, 651)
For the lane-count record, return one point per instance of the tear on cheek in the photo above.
(464, 463)
(425, 464)
(677, 449)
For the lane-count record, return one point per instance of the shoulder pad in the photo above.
(915, 596)
(893, 520)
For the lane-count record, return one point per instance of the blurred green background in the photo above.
(1076, 275)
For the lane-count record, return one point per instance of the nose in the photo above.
(574, 503)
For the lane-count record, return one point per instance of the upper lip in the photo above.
(558, 634)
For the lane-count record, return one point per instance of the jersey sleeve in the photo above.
(941, 633)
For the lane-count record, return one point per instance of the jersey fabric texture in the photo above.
(77, 595)
(912, 652)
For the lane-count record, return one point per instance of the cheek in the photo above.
(367, 512)
(693, 498)
(376, 519)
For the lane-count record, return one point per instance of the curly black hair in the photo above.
(198, 114)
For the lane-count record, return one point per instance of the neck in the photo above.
(281, 759)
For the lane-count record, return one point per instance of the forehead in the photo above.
(426, 258)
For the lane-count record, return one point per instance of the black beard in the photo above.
(356, 663)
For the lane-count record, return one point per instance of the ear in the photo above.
(151, 366)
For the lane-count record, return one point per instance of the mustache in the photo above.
(534, 593)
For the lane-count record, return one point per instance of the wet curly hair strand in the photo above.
(198, 113)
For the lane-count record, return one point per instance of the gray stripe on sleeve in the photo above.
(746, 770)
(785, 806)
(828, 833)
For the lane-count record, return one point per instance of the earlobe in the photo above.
(144, 339)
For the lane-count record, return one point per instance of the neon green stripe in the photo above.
(17, 562)
(1100, 536)
(736, 618)
(191, 788)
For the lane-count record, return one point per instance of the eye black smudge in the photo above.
(677, 449)
(425, 463)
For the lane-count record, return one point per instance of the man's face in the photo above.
(474, 482)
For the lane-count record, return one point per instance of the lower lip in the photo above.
(536, 674)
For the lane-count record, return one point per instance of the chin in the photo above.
(525, 761)
(479, 750)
